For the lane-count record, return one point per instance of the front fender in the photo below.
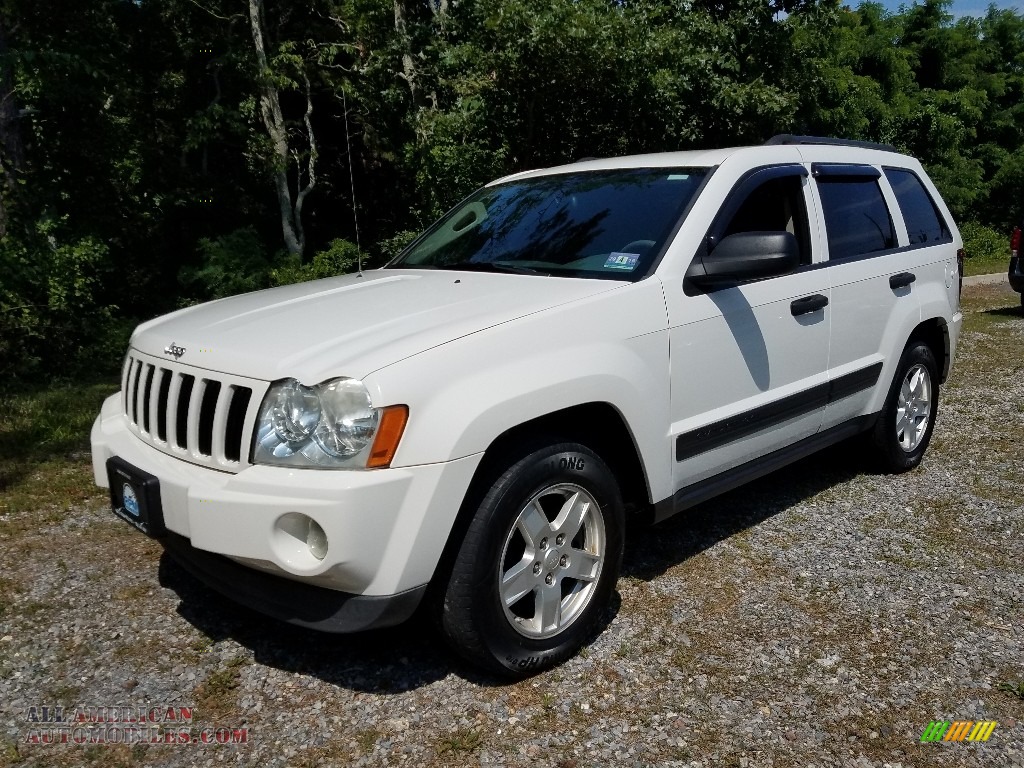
(610, 348)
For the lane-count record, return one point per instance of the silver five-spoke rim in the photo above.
(552, 560)
(915, 407)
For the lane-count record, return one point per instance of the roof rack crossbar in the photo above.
(788, 138)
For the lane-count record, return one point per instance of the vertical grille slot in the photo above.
(207, 411)
(126, 378)
(236, 421)
(147, 391)
(181, 420)
(162, 396)
(134, 394)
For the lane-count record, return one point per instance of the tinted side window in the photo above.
(856, 216)
(777, 205)
(924, 224)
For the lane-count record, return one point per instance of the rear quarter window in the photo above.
(924, 222)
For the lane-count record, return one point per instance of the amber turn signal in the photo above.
(389, 432)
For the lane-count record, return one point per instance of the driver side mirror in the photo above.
(746, 256)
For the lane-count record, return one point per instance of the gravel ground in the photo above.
(822, 616)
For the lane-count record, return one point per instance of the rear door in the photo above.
(873, 273)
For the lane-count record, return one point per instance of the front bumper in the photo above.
(385, 528)
(303, 604)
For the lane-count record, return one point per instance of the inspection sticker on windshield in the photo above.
(621, 261)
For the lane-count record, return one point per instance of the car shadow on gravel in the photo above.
(1017, 311)
(383, 661)
(652, 550)
(413, 654)
(389, 660)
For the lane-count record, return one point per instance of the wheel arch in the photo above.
(597, 425)
(935, 333)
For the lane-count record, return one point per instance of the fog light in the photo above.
(316, 540)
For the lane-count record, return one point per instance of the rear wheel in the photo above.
(904, 428)
(538, 563)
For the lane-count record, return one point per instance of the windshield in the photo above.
(585, 224)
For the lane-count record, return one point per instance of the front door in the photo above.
(749, 362)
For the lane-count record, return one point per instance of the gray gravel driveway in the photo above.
(823, 616)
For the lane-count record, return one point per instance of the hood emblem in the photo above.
(174, 350)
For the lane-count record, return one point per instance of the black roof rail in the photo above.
(788, 138)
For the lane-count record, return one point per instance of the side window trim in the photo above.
(845, 170)
(738, 195)
(860, 257)
(896, 219)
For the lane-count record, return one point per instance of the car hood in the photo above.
(351, 325)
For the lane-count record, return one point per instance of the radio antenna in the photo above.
(352, 184)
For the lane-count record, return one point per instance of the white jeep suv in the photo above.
(567, 344)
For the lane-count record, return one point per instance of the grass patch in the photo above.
(41, 424)
(195, 650)
(46, 490)
(144, 652)
(64, 694)
(216, 697)
(9, 588)
(44, 442)
(986, 265)
(1014, 689)
(34, 607)
(9, 754)
(461, 740)
(984, 302)
(684, 658)
(987, 250)
(367, 740)
(135, 592)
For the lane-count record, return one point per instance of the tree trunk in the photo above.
(12, 149)
(302, 190)
(214, 69)
(273, 120)
(408, 72)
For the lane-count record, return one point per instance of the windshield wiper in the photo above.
(496, 266)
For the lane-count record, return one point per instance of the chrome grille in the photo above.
(197, 415)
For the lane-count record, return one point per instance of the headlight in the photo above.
(347, 420)
(333, 424)
(294, 412)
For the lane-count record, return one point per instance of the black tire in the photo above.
(904, 427)
(511, 638)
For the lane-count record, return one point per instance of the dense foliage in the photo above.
(160, 152)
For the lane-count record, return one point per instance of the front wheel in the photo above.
(538, 563)
(904, 427)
